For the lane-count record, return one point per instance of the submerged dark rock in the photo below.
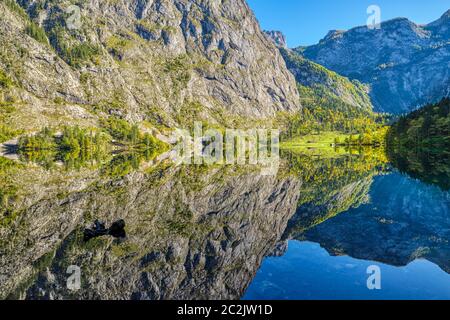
(117, 230)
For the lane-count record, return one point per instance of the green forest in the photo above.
(425, 129)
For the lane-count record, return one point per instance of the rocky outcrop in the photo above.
(277, 37)
(157, 60)
(323, 82)
(405, 64)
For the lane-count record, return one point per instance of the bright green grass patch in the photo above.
(322, 140)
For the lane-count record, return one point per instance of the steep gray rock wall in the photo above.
(164, 61)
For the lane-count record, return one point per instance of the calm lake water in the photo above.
(224, 232)
(404, 229)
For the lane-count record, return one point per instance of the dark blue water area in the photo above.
(403, 228)
(308, 272)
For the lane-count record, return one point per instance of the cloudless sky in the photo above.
(305, 22)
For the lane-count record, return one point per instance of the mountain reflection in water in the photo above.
(199, 232)
(403, 227)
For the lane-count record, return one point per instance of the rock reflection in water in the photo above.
(404, 220)
(192, 234)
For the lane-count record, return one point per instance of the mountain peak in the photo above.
(441, 26)
(333, 34)
(387, 58)
(446, 15)
(445, 18)
(399, 23)
(277, 37)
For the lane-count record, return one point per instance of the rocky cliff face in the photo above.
(312, 214)
(157, 60)
(405, 64)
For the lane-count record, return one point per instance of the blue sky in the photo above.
(305, 22)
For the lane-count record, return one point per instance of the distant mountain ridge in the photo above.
(405, 64)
